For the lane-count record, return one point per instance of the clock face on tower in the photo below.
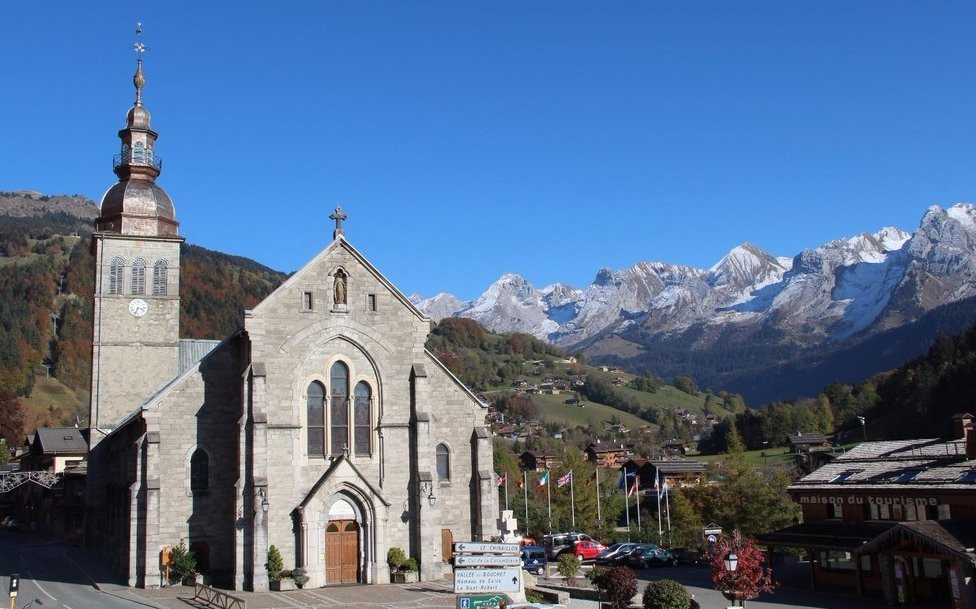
(138, 307)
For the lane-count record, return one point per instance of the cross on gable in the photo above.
(338, 215)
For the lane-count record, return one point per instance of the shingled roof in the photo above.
(905, 464)
(60, 440)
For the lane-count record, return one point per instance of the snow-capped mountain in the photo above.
(863, 284)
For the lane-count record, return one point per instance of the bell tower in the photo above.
(135, 346)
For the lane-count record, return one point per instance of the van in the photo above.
(558, 543)
(534, 559)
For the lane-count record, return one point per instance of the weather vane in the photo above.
(139, 46)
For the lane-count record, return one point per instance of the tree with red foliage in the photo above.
(751, 576)
(11, 418)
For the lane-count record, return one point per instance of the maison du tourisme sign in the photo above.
(870, 500)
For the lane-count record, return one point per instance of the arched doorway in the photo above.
(342, 545)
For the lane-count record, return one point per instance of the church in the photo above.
(322, 426)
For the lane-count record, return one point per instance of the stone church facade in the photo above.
(322, 426)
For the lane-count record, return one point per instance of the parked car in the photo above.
(534, 559)
(561, 543)
(688, 556)
(615, 553)
(643, 558)
(10, 522)
(588, 550)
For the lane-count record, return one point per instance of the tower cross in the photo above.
(338, 215)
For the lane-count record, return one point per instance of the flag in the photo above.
(592, 476)
(544, 480)
(633, 487)
(501, 479)
(657, 482)
(663, 490)
(624, 474)
(521, 483)
(564, 479)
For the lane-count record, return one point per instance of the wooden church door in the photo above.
(342, 552)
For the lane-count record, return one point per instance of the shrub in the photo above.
(569, 567)
(299, 577)
(411, 565)
(182, 561)
(618, 585)
(666, 594)
(275, 564)
(396, 558)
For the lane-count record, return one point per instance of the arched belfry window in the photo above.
(315, 418)
(339, 407)
(361, 418)
(115, 278)
(159, 278)
(443, 462)
(199, 471)
(138, 276)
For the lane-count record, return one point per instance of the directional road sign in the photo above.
(482, 601)
(486, 548)
(487, 560)
(487, 580)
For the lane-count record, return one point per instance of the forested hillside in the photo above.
(46, 284)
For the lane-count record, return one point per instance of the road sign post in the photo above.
(487, 573)
(14, 586)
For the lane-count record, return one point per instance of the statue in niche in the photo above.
(339, 292)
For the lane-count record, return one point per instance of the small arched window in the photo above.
(443, 462)
(199, 471)
(159, 278)
(339, 409)
(138, 276)
(315, 414)
(361, 418)
(138, 152)
(115, 278)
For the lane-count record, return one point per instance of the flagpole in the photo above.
(549, 498)
(638, 501)
(627, 502)
(525, 489)
(667, 505)
(599, 516)
(506, 491)
(572, 497)
(657, 491)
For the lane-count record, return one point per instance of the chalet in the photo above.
(608, 456)
(677, 472)
(675, 447)
(536, 461)
(805, 442)
(892, 519)
(55, 448)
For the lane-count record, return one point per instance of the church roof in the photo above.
(340, 241)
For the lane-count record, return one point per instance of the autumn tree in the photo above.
(11, 418)
(750, 577)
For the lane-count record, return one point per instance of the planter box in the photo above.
(281, 585)
(403, 577)
(191, 580)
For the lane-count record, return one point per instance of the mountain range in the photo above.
(753, 317)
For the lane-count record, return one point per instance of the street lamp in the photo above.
(765, 456)
(864, 428)
(428, 488)
(731, 563)
(263, 495)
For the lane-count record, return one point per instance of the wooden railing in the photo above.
(215, 598)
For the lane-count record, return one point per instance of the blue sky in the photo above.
(469, 139)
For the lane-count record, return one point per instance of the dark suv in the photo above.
(561, 543)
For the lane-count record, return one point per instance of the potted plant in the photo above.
(276, 571)
(183, 564)
(402, 569)
(299, 577)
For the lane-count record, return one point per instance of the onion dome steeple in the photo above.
(136, 205)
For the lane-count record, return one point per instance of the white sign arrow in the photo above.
(487, 560)
(487, 580)
(486, 548)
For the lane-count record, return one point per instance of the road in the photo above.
(50, 577)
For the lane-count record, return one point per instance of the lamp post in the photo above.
(864, 429)
(731, 564)
(765, 456)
